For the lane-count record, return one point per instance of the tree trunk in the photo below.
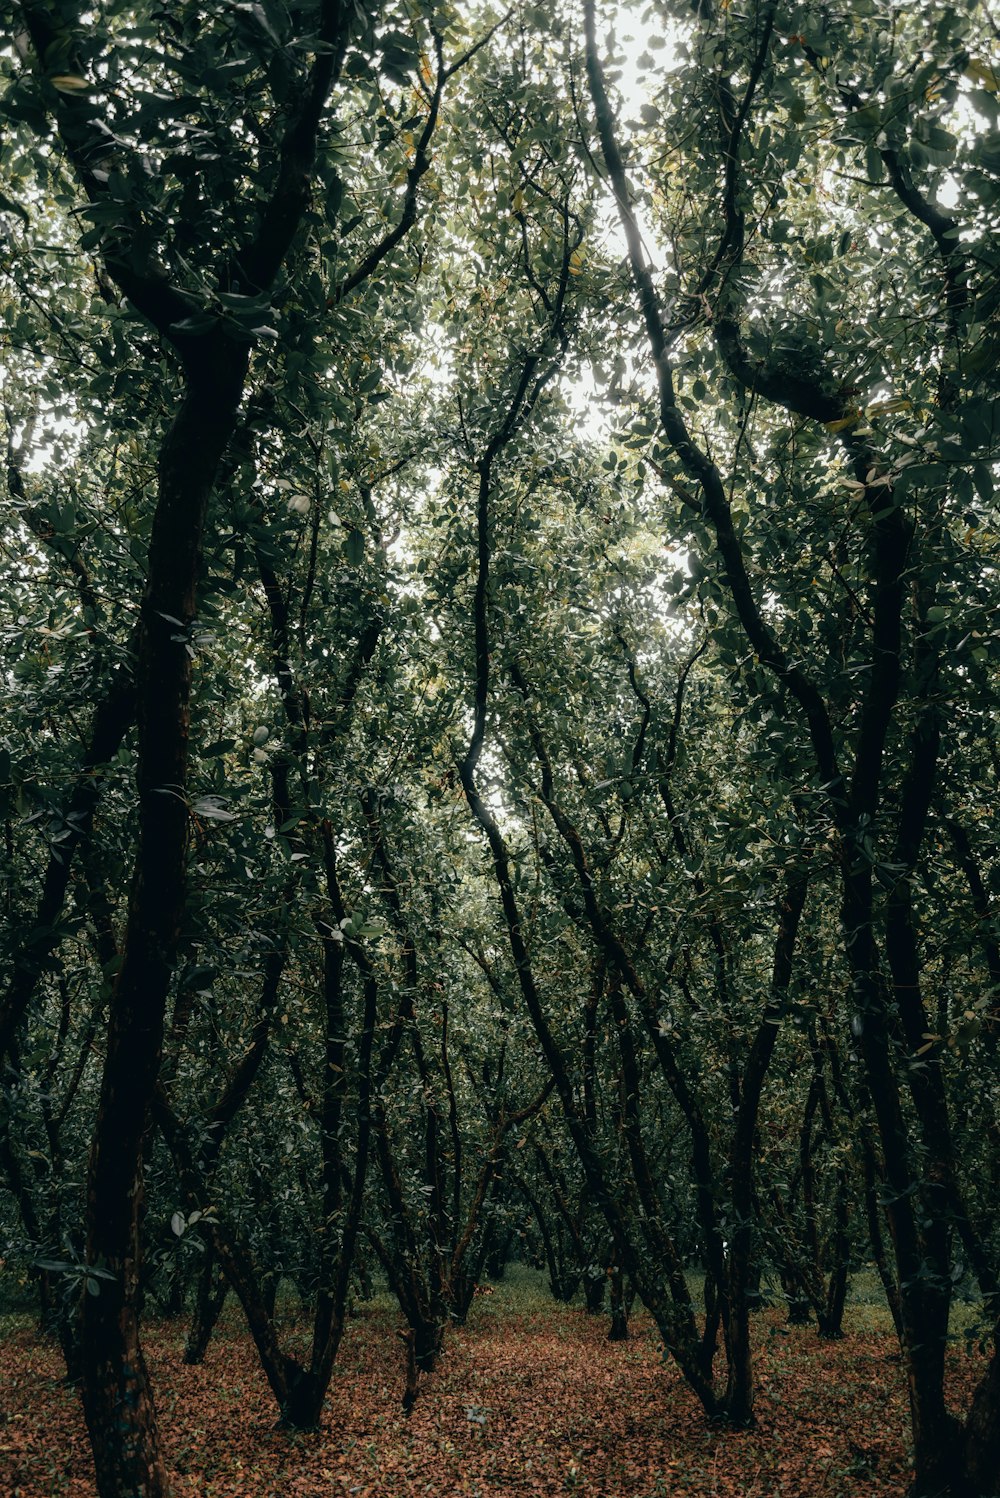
(412, 1375)
(594, 1287)
(117, 1397)
(499, 1256)
(923, 1300)
(621, 1305)
(832, 1317)
(739, 1386)
(981, 1455)
(210, 1297)
(799, 1308)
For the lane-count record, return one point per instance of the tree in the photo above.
(875, 730)
(193, 228)
(475, 697)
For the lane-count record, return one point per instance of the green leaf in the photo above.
(70, 83)
(213, 809)
(8, 205)
(982, 477)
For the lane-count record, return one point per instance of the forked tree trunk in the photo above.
(117, 1398)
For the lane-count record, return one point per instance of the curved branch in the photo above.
(695, 462)
(417, 169)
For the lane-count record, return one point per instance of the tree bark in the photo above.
(117, 1397)
(739, 1387)
(210, 1297)
(981, 1451)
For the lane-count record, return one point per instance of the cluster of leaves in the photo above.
(511, 865)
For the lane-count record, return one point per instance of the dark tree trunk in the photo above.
(832, 1317)
(799, 1308)
(210, 1297)
(499, 1256)
(117, 1397)
(59, 1318)
(621, 1304)
(981, 1454)
(713, 1320)
(739, 1280)
(171, 1297)
(595, 1285)
(412, 1385)
(562, 1283)
(918, 1228)
(923, 1300)
(363, 1280)
(299, 1390)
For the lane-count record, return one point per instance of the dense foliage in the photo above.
(500, 678)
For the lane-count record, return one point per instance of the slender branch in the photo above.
(280, 217)
(695, 462)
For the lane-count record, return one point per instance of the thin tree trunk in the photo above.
(739, 1388)
(210, 1297)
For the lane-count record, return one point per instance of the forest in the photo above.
(499, 759)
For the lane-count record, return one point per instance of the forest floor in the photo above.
(529, 1398)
